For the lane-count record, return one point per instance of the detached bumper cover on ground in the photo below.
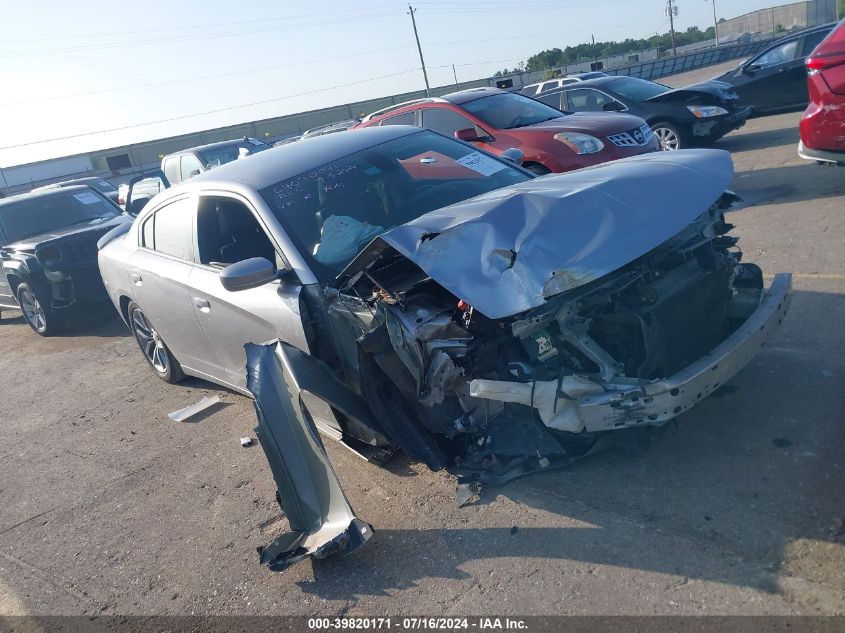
(322, 521)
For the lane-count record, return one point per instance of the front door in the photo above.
(228, 231)
(774, 79)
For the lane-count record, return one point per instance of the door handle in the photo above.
(202, 304)
(135, 278)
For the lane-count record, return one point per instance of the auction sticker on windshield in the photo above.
(480, 163)
(87, 197)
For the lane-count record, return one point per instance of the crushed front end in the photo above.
(494, 397)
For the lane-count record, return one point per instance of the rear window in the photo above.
(834, 43)
(61, 210)
(103, 185)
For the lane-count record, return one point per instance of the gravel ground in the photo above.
(109, 507)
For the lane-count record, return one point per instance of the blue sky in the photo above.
(69, 68)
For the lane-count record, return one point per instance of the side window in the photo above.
(228, 232)
(406, 118)
(586, 100)
(171, 169)
(147, 232)
(778, 55)
(811, 41)
(447, 121)
(189, 165)
(548, 86)
(173, 230)
(553, 100)
(529, 90)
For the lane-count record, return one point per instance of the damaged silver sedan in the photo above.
(442, 301)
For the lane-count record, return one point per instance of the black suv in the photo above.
(48, 252)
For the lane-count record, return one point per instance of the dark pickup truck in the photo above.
(48, 252)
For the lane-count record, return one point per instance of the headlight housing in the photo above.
(48, 256)
(705, 112)
(580, 143)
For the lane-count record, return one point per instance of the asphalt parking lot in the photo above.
(109, 507)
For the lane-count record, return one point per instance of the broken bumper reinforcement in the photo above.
(662, 400)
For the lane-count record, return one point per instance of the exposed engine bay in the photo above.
(496, 398)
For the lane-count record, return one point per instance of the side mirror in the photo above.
(750, 69)
(246, 274)
(469, 135)
(612, 106)
(513, 155)
(195, 172)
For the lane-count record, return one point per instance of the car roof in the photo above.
(286, 161)
(464, 96)
(42, 193)
(598, 82)
(234, 141)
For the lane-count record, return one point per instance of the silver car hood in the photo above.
(507, 251)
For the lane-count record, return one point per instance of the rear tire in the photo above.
(669, 135)
(155, 351)
(40, 318)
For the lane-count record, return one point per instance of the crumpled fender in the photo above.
(321, 519)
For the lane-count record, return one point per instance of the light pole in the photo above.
(412, 10)
(715, 22)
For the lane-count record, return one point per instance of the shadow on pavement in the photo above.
(792, 183)
(731, 495)
(749, 141)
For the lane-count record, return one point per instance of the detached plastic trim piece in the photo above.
(321, 519)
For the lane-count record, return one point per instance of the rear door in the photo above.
(229, 231)
(159, 272)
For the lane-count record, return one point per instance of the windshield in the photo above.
(636, 89)
(332, 212)
(221, 155)
(44, 214)
(510, 110)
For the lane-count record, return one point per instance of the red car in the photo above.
(551, 140)
(822, 126)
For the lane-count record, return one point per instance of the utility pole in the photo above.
(455, 74)
(672, 11)
(715, 22)
(412, 10)
(595, 56)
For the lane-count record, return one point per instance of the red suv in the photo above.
(823, 122)
(551, 140)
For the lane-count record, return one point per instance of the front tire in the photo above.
(669, 135)
(40, 318)
(158, 355)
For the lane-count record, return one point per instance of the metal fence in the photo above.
(682, 63)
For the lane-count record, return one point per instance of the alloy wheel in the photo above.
(150, 342)
(32, 310)
(668, 138)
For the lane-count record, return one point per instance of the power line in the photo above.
(215, 111)
(188, 38)
(168, 82)
(195, 26)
